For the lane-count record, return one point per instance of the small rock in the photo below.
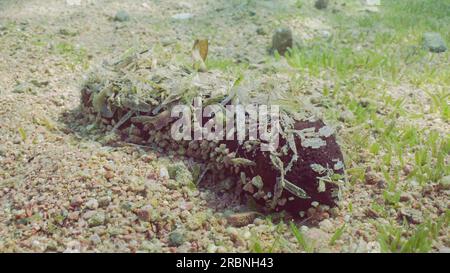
(321, 4)
(326, 225)
(95, 239)
(67, 32)
(122, 16)
(381, 184)
(427, 189)
(39, 83)
(372, 178)
(371, 213)
(371, 9)
(104, 201)
(257, 182)
(92, 204)
(444, 250)
(347, 218)
(405, 197)
(260, 31)
(434, 42)
(211, 248)
(407, 169)
(186, 205)
(372, 2)
(73, 2)
(258, 221)
(373, 247)
(334, 212)
(23, 87)
(304, 229)
(325, 34)
(182, 16)
(74, 215)
(88, 214)
(163, 172)
(73, 247)
(180, 173)
(109, 175)
(76, 201)
(249, 188)
(444, 182)
(145, 213)
(346, 116)
(184, 248)
(222, 249)
(360, 247)
(164, 42)
(282, 40)
(412, 215)
(176, 238)
(97, 219)
(317, 238)
(242, 219)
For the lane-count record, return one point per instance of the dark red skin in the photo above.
(301, 173)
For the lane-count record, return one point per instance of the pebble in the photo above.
(211, 248)
(104, 201)
(407, 169)
(325, 34)
(372, 2)
(145, 213)
(317, 238)
(326, 225)
(347, 218)
(412, 215)
(444, 250)
(321, 4)
(346, 116)
(176, 238)
(373, 247)
(282, 40)
(372, 178)
(180, 173)
(304, 229)
(222, 249)
(241, 219)
(122, 16)
(163, 172)
(95, 239)
(434, 42)
(260, 31)
(73, 247)
(258, 221)
(182, 16)
(97, 219)
(369, 212)
(74, 215)
(405, 197)
(24, 87)
(444, 182)
(109, 175)
(76, 201)
(92, 204)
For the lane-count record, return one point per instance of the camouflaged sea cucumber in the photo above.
(133, 98)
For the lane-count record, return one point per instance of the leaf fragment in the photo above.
(199, 54)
